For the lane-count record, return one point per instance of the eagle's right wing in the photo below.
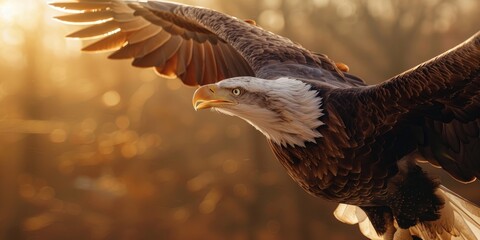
(433, 108)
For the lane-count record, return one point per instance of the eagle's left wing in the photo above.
(155, 34)
(437, 102)
(195, 44)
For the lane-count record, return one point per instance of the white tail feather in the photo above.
(460, 219)
(351, 214)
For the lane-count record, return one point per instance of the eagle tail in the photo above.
(460, 219)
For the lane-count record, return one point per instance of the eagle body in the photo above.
(337, 169)
(338, 138)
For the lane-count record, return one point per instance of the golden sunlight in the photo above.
(92, 148)
(9, 11)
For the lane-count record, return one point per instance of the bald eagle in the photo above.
(338, 138)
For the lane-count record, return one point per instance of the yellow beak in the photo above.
(209, 96)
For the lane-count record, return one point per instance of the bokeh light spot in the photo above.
(345, 9)
(58, 135)
(38, 222)
(122, 122)
(111, 98)
(210, 202)
(272, 20)
(200, 182)
(129, 150)
(181, 214)
(12, 37)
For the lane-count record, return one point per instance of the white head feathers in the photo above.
(285, 110)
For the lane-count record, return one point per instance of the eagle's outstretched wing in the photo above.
(195, 44)
(436, 105)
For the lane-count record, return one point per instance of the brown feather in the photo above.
(161, 54)
(143, 34)
(140, 49)
(86, 18)
(219, 60)
(170, 67)
(184, 56)
(81, 6)
(112, 42)
(210, 74)
(195, 69)
(440, 95)
(98, 30)
(134, 24)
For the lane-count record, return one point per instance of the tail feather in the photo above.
(351, 214)
(460, 219)
(467, 214)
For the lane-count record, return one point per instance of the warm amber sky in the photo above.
(95, 149)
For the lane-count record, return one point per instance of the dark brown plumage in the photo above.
(372, 134)
(431, 111)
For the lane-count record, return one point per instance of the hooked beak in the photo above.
(210, 96)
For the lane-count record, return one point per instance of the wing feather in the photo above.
(161, 54)
(169, 69)
(214, 46)
(112, 42)
(135, 24)
(143, 34)
(210, 73)
(232, 68)
(141, 49)
(95, 31)
(198, 62)
(195, 69)
(80, 6)
(86, 17)
(184, 56)
(219, 59)
(436, 102)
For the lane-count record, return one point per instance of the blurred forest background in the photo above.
(95, 149)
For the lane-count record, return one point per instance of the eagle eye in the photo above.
(236, 91)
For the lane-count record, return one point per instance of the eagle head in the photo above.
(287, 111)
